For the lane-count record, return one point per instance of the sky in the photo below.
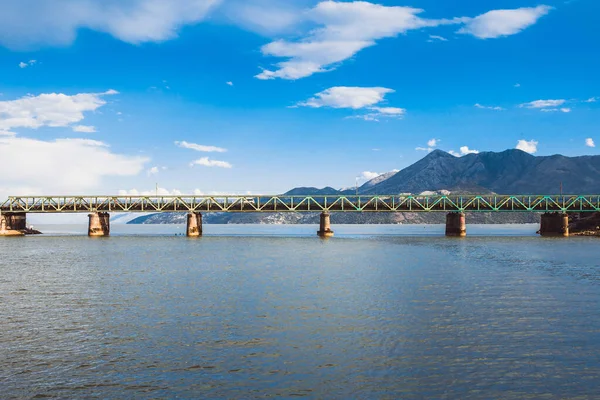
(260, 96)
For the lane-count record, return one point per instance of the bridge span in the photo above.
(555, 208)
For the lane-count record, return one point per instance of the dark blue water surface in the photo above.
(361, 316)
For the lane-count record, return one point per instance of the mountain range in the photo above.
(508, 172)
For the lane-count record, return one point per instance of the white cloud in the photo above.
(29, 63)
(527, 146)
(200, 147)
(51, 109)
(368, 175)
(431, 145)
(61, 166)
(229, 83)
(517, 85)
(264, 16)
(543, 103)
(464, 150)
(25, 24)
(498, 23)
(433, 38)
(348, 97)
(344, 29)
(389, 111)
(206, 162)
(382, 112)
(84, 129)
(152, 171)
(494, 108)
(589, 142)
(356, 98)
(591, 100)
(564, 110)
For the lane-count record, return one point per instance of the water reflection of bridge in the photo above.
(554, 207)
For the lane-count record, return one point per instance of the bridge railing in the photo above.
(298, 203)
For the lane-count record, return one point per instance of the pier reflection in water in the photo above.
(357, 316)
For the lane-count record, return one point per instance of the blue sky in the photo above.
(231, 96)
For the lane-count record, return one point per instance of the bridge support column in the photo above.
(99, 224)
(194, 225)
(6, 225)
(554, 225)
(456, 224)
(325, 225)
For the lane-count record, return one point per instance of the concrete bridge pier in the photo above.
(325, 225)
(99, 224)
(12, 224)
(194, 225)
(554, 225)
(17, 221)
(456, 224)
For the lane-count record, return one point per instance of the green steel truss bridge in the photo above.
(283, 203)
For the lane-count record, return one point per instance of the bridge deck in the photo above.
(281, 203)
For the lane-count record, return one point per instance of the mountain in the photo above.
(312, 191)
(508, 172)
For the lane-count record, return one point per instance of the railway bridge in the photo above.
(555, 209)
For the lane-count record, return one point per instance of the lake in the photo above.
(245, 312)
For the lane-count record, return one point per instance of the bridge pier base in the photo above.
(325, 225)
(6, 224)
(99, 224)
(456, 224)
(554, 225)
(194, 225)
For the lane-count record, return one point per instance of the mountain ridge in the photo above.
(508, 172)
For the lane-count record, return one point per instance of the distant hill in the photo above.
(507, 172)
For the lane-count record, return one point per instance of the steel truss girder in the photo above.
(282, 203)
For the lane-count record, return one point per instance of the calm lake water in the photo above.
(378, 312)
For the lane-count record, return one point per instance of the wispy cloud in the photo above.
(206, 162)
(494, 108)
(498, 23)
(356, 98)
(134, 21)
(437, 38)
(200, 147)
(591, 100)
(346, 28)
(543, 103)
(29, 63)
(84, 129)
(564, 110)
(229, 83)
(152, 171)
